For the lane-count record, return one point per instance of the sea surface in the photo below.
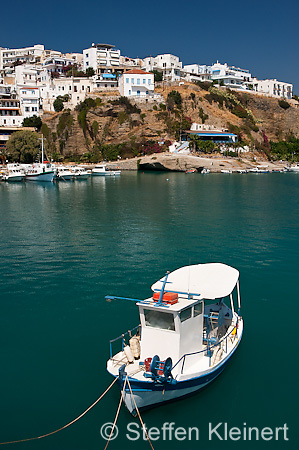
(64, 246)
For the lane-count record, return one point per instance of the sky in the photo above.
(260, 35)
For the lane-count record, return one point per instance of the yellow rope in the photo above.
(68, 424)
(117, 413)
(138, 413)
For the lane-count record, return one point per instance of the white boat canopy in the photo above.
(210, 281)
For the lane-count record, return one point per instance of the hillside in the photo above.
(105, 126)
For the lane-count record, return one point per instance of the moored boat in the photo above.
(14, 173)
(189, 330)
(39, 172)
(64, 173)
(103, 171)
(80, 173)
(294, 168)
(259, 169)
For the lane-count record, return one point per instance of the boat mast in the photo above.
(42, 148)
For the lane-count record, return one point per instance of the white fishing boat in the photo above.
(103, 171)
(39, 172)
(294, 168)
(228, 171)
(259, 169)
(14, 173)
(80, 173)
(189, 329)
(205, 170)
(64, 173)
(43, 171)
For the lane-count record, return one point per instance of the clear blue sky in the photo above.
(261, 36)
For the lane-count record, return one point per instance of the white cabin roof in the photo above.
(209, 281)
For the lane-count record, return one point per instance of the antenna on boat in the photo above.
(162, 290)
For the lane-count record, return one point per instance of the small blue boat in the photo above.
(189, 329)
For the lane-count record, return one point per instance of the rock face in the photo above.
(110, 123)
(180, 163)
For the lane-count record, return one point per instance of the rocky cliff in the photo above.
(106, 121)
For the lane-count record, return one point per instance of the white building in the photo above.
(231, 76)
(101, 57)
(76, 88)
(272, 88)
(77, 59)
(28, 74)
(197, 72)
(136, 83)
(168, 64)
(10, 112)
(8, 57)
(29, 97)
(130, 63)
(57, 64)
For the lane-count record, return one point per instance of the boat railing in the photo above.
(123, 337)
(210, 346)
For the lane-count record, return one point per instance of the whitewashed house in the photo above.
(230, 76)
(136, 83)
(77, 90)
(101, 57)
(272, 88)
(9, 56)
(196, 72)
(57, 64)
(28, 74)
(29, 97)
(169, 65)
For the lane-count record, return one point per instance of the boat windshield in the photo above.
(158, 319)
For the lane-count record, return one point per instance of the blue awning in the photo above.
(108, 75)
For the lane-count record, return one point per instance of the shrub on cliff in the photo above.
(283, 104)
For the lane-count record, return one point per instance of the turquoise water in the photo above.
(63, 247)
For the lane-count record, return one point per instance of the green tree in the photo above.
(32, 121)
(23, 146)
(90, 72)
(158, 76)
(58, 104)
(174, 97)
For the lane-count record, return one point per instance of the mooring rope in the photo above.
(68, 424)
(138, 413)
(117, 413)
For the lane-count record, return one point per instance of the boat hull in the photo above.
(13, 178)
(148, 394)
(45, 176)
(106, 174)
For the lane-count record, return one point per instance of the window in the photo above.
(87, 63)
(144, 80)
(127, 80)
(86, 55)
(27, 109)
(186, 314)
(132, 81)
(75, 88)
(82, 88)
(158, 319)
(197, 309)
(138, 80)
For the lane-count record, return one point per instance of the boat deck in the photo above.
(191, 365)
